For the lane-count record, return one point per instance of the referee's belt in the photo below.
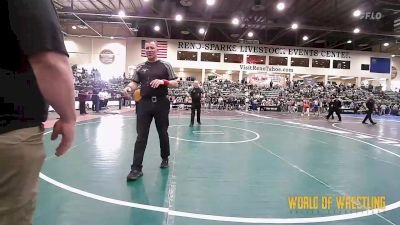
(154, 98)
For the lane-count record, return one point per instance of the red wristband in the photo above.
(166, 82)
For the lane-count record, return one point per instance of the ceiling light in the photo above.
(356, 13)
(210, 2)
(295, 26)
(157, 28)
(146, 0)
(393, 55)
(305, 38)
(385, 44)
(82, 26)
(349, 41)
(202, 31)
(112, 37)
(280, 6)
(178, 17)
(181, 69)
(356, 30)
(74, 27)
(121, 13)
(235, 21)
(250, 34)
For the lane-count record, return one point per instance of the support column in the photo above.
(291, 76)
(240, 76)
(388, 84)
(358, 82)
(326, 80)
(203, 75)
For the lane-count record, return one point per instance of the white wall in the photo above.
(85, 52)
(79, 49)
(395, 82)
(184, 74)
(118, 47)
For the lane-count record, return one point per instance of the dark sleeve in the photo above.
(171, 73)
(135, 77)
(36, 26)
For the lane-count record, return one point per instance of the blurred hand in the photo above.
(125, 92)
(155, 83)
(67, 132)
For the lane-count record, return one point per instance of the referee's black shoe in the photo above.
(164, 164)
(134, 175)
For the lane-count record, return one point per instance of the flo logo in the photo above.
(371, 16)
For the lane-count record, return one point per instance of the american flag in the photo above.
(162, 49)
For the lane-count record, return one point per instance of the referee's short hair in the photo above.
(150, 40)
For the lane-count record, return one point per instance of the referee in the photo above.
(371, 107)
(155, 77)
(195, 92)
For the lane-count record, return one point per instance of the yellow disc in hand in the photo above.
(136, 95)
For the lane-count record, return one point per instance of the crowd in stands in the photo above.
(295, 97)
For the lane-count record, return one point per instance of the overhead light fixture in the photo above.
(385, 44)
(356, 30)
(393, 55)
(178, 17)
(202, 30)
(112, 37)
(210, 2)
(304, 76)
(74, 27)
(305, 38)
(146, 0)
(235, 21)
(280, 6)
(250, 34)
(349, 41)
(356, 13)
(82, 26)
(347, 78)
(181, 69)
(157, 28)
(295, 26)
(121, 13)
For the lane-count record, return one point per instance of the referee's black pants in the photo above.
(195, 107)
(146, 109)
(368, 116)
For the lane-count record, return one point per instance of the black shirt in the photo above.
(29, 27)
(148, 71)
(337, 104)
(370, 104)
(195, 94)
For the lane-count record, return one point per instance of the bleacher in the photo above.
(270, 94)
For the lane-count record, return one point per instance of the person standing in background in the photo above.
(195, 92)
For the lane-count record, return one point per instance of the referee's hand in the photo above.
(155, 83)
(125, 92)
